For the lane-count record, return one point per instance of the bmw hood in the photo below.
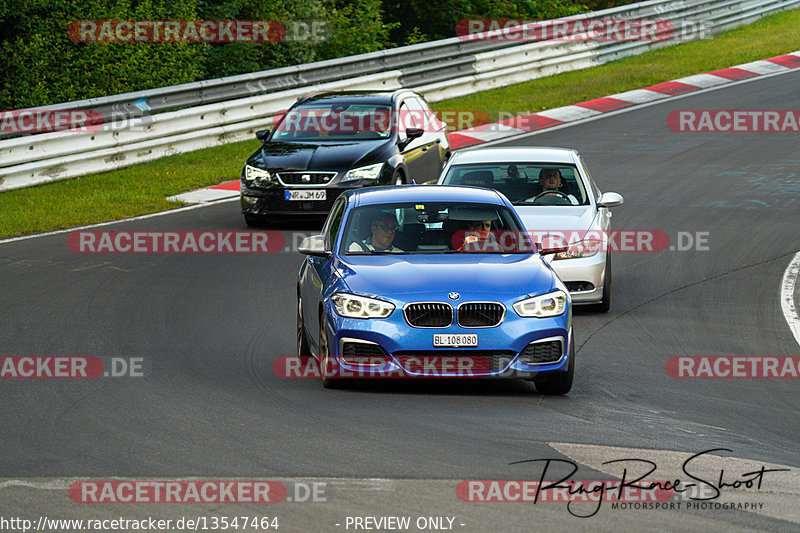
(330, 156)
(474, 276)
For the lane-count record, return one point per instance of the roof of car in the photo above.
(424, 193)
(351, 97)
(515, 154)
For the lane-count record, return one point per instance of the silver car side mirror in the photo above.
(610, 199)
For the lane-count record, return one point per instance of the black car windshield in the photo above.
(335, 122)
(434, 228)
(524, 183)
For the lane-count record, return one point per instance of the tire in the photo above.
(327, 365)
(605, 304)
(303, 350)
(561, 383)
(398, 179)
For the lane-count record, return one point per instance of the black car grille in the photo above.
(277, 204)
(364, 353)
(461, 362)
(538, 353)
(480, 315)
(429, 315)
(314, 178)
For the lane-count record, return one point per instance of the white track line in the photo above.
(788, 307)
(110, 222)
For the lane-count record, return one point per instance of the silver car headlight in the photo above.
(545, 305)
(258, 175)
(586, 248)
(352, 306)
(370, 172)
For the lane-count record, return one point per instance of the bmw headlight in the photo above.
(370, 172)
(586, 248)
(550, 304)
(257, 175)
(352, 306)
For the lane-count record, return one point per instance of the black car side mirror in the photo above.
(263, 135)
(411, 134)
(414, 133)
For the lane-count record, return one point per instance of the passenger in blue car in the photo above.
(383, 230)
(476, 231)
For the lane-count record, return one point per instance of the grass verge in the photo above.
(142, 188)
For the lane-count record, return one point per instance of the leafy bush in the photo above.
(42, 66)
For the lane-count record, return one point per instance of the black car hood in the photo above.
(328, 156)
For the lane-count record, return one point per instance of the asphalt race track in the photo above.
(208, 328)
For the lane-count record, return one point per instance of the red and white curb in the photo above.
(229, 189)
(570, 113)
(561, 115)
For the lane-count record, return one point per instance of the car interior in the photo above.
(428, 228)
(519, 182)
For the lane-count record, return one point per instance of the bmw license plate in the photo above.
(306, 194)
(462, 339)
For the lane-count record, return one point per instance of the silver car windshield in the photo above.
(434, 228)
(524, 183)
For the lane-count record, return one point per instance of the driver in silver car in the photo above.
(550, 180)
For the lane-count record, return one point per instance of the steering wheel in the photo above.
(561, 194)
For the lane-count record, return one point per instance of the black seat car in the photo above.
(329, 142)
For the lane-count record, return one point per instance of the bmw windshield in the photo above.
(434, 228)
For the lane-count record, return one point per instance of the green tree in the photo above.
(426, 20)
(41, 65)
(347, 27)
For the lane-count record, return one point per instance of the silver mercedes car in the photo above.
(554, 194)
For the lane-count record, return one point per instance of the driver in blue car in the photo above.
(383, 229)
(550, 180)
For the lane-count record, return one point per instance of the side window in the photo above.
(411, 115)
(431, 117)
(585, 169)
(421, 112)
(333, 223)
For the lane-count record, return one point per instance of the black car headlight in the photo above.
(370, 172)
(258, 176)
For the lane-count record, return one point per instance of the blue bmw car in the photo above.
(432, 281)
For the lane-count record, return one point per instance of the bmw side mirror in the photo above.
(314, 245)
(263, 135)
(610, 199)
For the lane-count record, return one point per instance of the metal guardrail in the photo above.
(151, 124)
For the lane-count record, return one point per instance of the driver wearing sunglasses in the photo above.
(383, 229)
